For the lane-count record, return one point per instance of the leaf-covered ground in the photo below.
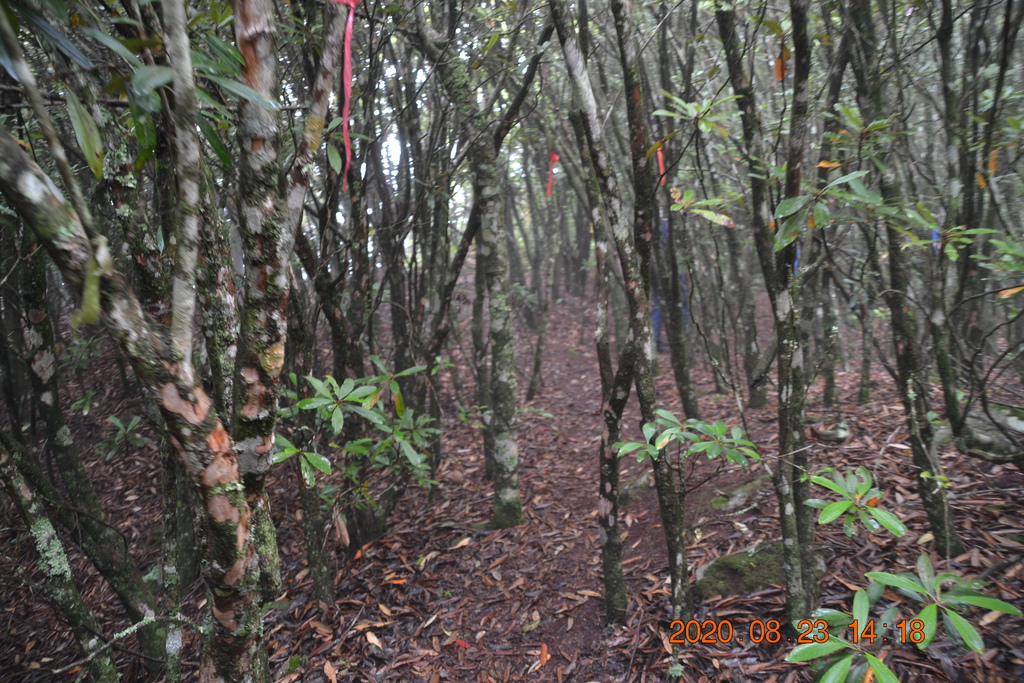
(437, 599)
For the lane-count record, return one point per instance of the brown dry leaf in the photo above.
(373, 640)
(589, 594)
(329, 672)
(1007, 293)
(461, 544)
(989, 618)
(544, 655)
(322, 628)
(341, 529)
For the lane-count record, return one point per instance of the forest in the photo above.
(499, 340)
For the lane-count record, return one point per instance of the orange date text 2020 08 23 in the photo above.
(722, 631)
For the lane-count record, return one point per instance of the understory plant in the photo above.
(849, 657)
(714, 439)
(370, 433)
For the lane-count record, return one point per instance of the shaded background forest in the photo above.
(348, 261)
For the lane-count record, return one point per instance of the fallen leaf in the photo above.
(925, 538)
(329, 672)
(531, 626)
(1007, 293)
(544, 656)
(373, 640)
(461, 544)
(989, 618)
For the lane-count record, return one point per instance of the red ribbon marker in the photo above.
(661, 165)
(346, 77)
(552, 158)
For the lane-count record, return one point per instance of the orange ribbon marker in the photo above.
(346, 77)
(661, 165)
(552, 159)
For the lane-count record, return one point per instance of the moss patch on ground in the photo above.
(743, 573)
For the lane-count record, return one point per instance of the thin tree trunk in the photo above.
(913, 384)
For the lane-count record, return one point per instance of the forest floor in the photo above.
(438, 599)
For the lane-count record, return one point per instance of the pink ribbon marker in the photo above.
(346, 77)
(552, 160)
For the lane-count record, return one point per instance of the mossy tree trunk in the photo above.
(777, 267)
(484, 135)
(53, 563)
(912, 376)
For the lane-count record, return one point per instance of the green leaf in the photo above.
(985, 602)
(308, 473)
(399, 404)
(145, 81)
(346, 388)
(360, 392)
(373, 417)
(869, 522)
(46, 30)
(837, 672)
(822, 216)
(883, 674)
(966, 631)
(715, 217)
(787, 207)
(866, 481)
(628, 447)
(115, 46)
(930, 616)
(860, 607)
(318, 461)
(337, 420)
(834, 618)
(411, 371)
(244, 92)
(210, 133)
(281, 456)
(415, 459)
(314, 403)
(334, 158)
(230, 58)
(851, 115)
(897, 582)
(925, 569)
(87, 134)
(809, 651)
(668, 415)
(649, 431)
(791, 229)
(833, 511)
(829, 484)
(319, 387)
(889, 521)
(846, 179)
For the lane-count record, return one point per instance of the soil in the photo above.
(438, 599)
